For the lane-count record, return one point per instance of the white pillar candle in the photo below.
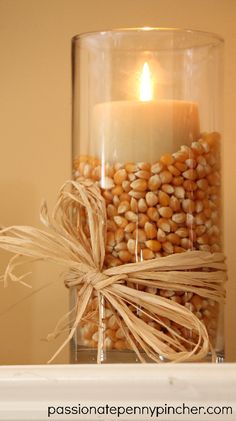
(142, 130)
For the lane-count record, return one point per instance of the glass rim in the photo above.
(210, 37)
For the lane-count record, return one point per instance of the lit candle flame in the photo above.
(145, 84)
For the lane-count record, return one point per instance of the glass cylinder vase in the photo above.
(147, 124)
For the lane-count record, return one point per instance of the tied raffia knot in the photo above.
(98, 280)
(76, 240)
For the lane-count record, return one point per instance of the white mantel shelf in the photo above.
(27, 391)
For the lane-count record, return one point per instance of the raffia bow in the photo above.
(80, 248)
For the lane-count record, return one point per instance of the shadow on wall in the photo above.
(15, 319)
(27, 315)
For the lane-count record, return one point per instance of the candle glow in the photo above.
(145, 93)
(133, 130)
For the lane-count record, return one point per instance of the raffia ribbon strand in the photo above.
(68, 244)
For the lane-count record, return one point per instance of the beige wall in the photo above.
(35, 136)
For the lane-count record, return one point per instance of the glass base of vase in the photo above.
(84, 355)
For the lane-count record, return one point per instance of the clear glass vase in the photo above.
(147, 127)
